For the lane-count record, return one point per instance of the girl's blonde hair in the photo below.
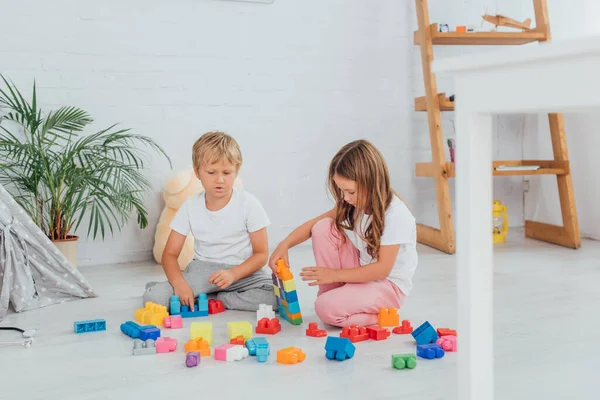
(214, 146)
(362, 163)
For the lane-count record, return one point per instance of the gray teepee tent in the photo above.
(33, 273)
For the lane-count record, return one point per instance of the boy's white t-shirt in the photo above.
(221, 236)
(400, 228)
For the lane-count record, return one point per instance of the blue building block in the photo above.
(294, 308)
(430, 351)
(258, 347)
(425, 334)
(175, 306)
(136, 331)
(149, 333)
(292, 297)
(340, 349)
(94, 325)
(200, 307)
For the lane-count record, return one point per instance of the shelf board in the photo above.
(482, 38)
(547, 167)
(445, 103)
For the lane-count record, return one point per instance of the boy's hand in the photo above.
(319, 275)
(185, 293)
(222, 278)
(280, 251)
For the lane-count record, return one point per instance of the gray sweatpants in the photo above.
(245, 294)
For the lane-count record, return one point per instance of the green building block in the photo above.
(401, 361)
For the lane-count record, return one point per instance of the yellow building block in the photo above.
(388, 317)
(243, 328)
(201, 330)
(289, 285)
(151, 314)
(276, 289)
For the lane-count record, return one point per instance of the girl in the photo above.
(365, 247)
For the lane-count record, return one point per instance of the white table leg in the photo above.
(474, 255)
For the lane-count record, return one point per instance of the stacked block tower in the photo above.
(285, 290)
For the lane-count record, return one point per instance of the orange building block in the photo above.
(238, 340)
(268, 326)
(283, 271)
(290, 355)
(200, 345)
(388, 317)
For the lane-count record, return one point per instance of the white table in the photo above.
(551, 77)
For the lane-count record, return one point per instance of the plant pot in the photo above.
(68, 247)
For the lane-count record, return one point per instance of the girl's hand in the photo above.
(222, 278)
(319, 275)
(281, 251)
(185, 293)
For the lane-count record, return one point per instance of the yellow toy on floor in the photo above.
(178, 189)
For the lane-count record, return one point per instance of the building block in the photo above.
(135, 331)
(174, 305)
(192, 359)
(259, 347)
(238, 340)
(174, 322)
(268, 326)
(355, 333)
(446, 332)
(265, 311)
(290, 355)
(448, 343)
(151, 314)
(243, 328)
(166, 345)
(314, 331)
(200, 308)
(198, 345)
(284, 288)
(430, 351)
(425, 334)
(401, 361)
(230, 352)
(215, 306)
(388, 317)
(93, 325)
(378, 333)
(337, 348)
(144, 347)
(150, 333)
(404, 329)
(201, 330)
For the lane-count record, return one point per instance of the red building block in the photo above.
(446, 332)
(378, 333)
(238, 340)
(355, 333)
(314, 331)
(404, 328)
(215, 306)
(268, 326)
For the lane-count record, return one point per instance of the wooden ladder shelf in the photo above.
(434, 103)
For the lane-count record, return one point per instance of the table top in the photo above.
(525, 54)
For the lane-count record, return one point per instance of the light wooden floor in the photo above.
(547, 321)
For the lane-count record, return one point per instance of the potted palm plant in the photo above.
(62, 177)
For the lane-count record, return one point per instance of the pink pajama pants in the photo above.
(344, 304)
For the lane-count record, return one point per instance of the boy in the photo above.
(230, 236)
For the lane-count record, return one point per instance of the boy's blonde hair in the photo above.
(214, 146)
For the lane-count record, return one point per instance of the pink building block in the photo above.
(448, 343)
(165, 344)
(174, 322)
(221, 351)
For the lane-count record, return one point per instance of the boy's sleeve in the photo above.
(181, 220)
(400, 228)
(256, 216)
